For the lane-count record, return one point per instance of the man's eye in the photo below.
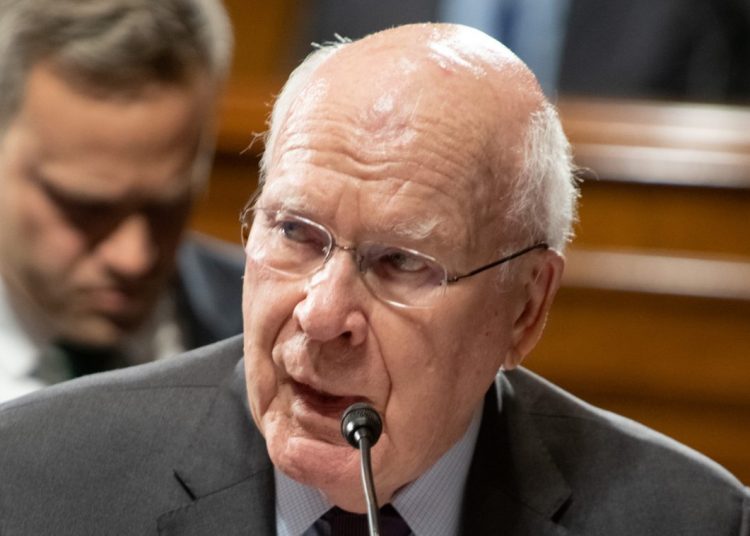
(294, 231)
(302, 234)
(404, 262)
(88, 214)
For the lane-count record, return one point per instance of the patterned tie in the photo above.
(343, 523)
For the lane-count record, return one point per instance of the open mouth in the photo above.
(324, 403)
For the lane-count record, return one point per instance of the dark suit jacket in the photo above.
(169, 448)
(209, 289)
(677, 49)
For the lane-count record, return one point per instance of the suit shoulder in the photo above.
(112, 440)
(625, 470)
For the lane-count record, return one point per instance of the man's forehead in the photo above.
(401, 221)
(446, 108)
(428, 76)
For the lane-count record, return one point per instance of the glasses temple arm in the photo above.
(540, 245)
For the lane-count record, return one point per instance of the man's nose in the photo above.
(334, 297)
(130, 250)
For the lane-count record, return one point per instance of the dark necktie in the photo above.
(63, 361)
(343, 523)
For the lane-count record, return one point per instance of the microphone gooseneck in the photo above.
(361, 427)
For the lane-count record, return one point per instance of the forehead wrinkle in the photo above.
(292, 203)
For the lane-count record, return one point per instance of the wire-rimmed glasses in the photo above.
(296, 246)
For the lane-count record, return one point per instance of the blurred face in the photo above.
(94, 194)
(374, 165)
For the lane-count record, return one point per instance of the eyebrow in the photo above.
(414, 229)
(63, 195)
(414, 232)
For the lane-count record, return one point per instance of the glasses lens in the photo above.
(294, 245)
(402, 276)
(288, 243)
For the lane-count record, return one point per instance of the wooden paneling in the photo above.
(262, 33)
(234, 179)
(663, 347)
(664, 217)
(661, 143)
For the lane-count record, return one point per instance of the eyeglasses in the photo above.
(296, 246)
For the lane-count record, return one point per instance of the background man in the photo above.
(404, 251)
(106, 138)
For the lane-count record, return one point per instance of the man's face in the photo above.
(380, 170)
(94, 194)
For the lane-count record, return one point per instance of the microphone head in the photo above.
(361, 420)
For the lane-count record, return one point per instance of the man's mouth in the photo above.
(323, 403)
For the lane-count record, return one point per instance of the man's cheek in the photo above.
(262, 387)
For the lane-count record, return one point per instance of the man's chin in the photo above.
(98, 331)
(307, 456)
(331, 468)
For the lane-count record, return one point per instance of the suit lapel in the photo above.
(513, 487)
(227, 473)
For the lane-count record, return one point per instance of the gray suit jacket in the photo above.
(169, 448)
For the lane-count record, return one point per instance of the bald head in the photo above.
(447, 83)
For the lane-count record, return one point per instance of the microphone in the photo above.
(361, 427)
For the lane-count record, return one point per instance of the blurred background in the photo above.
(653, 320)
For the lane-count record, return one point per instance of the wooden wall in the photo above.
(653, 320)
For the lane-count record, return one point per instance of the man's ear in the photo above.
(539, 284)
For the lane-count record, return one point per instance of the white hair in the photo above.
(291, 90)
(541, 200)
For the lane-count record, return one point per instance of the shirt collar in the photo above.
(18, 351)
(431, 505)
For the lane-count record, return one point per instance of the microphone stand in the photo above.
(361, 427)
(373, 512)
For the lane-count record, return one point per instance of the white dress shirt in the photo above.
(19, 352)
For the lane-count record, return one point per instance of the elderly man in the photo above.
(404, 252)
(106, 137)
